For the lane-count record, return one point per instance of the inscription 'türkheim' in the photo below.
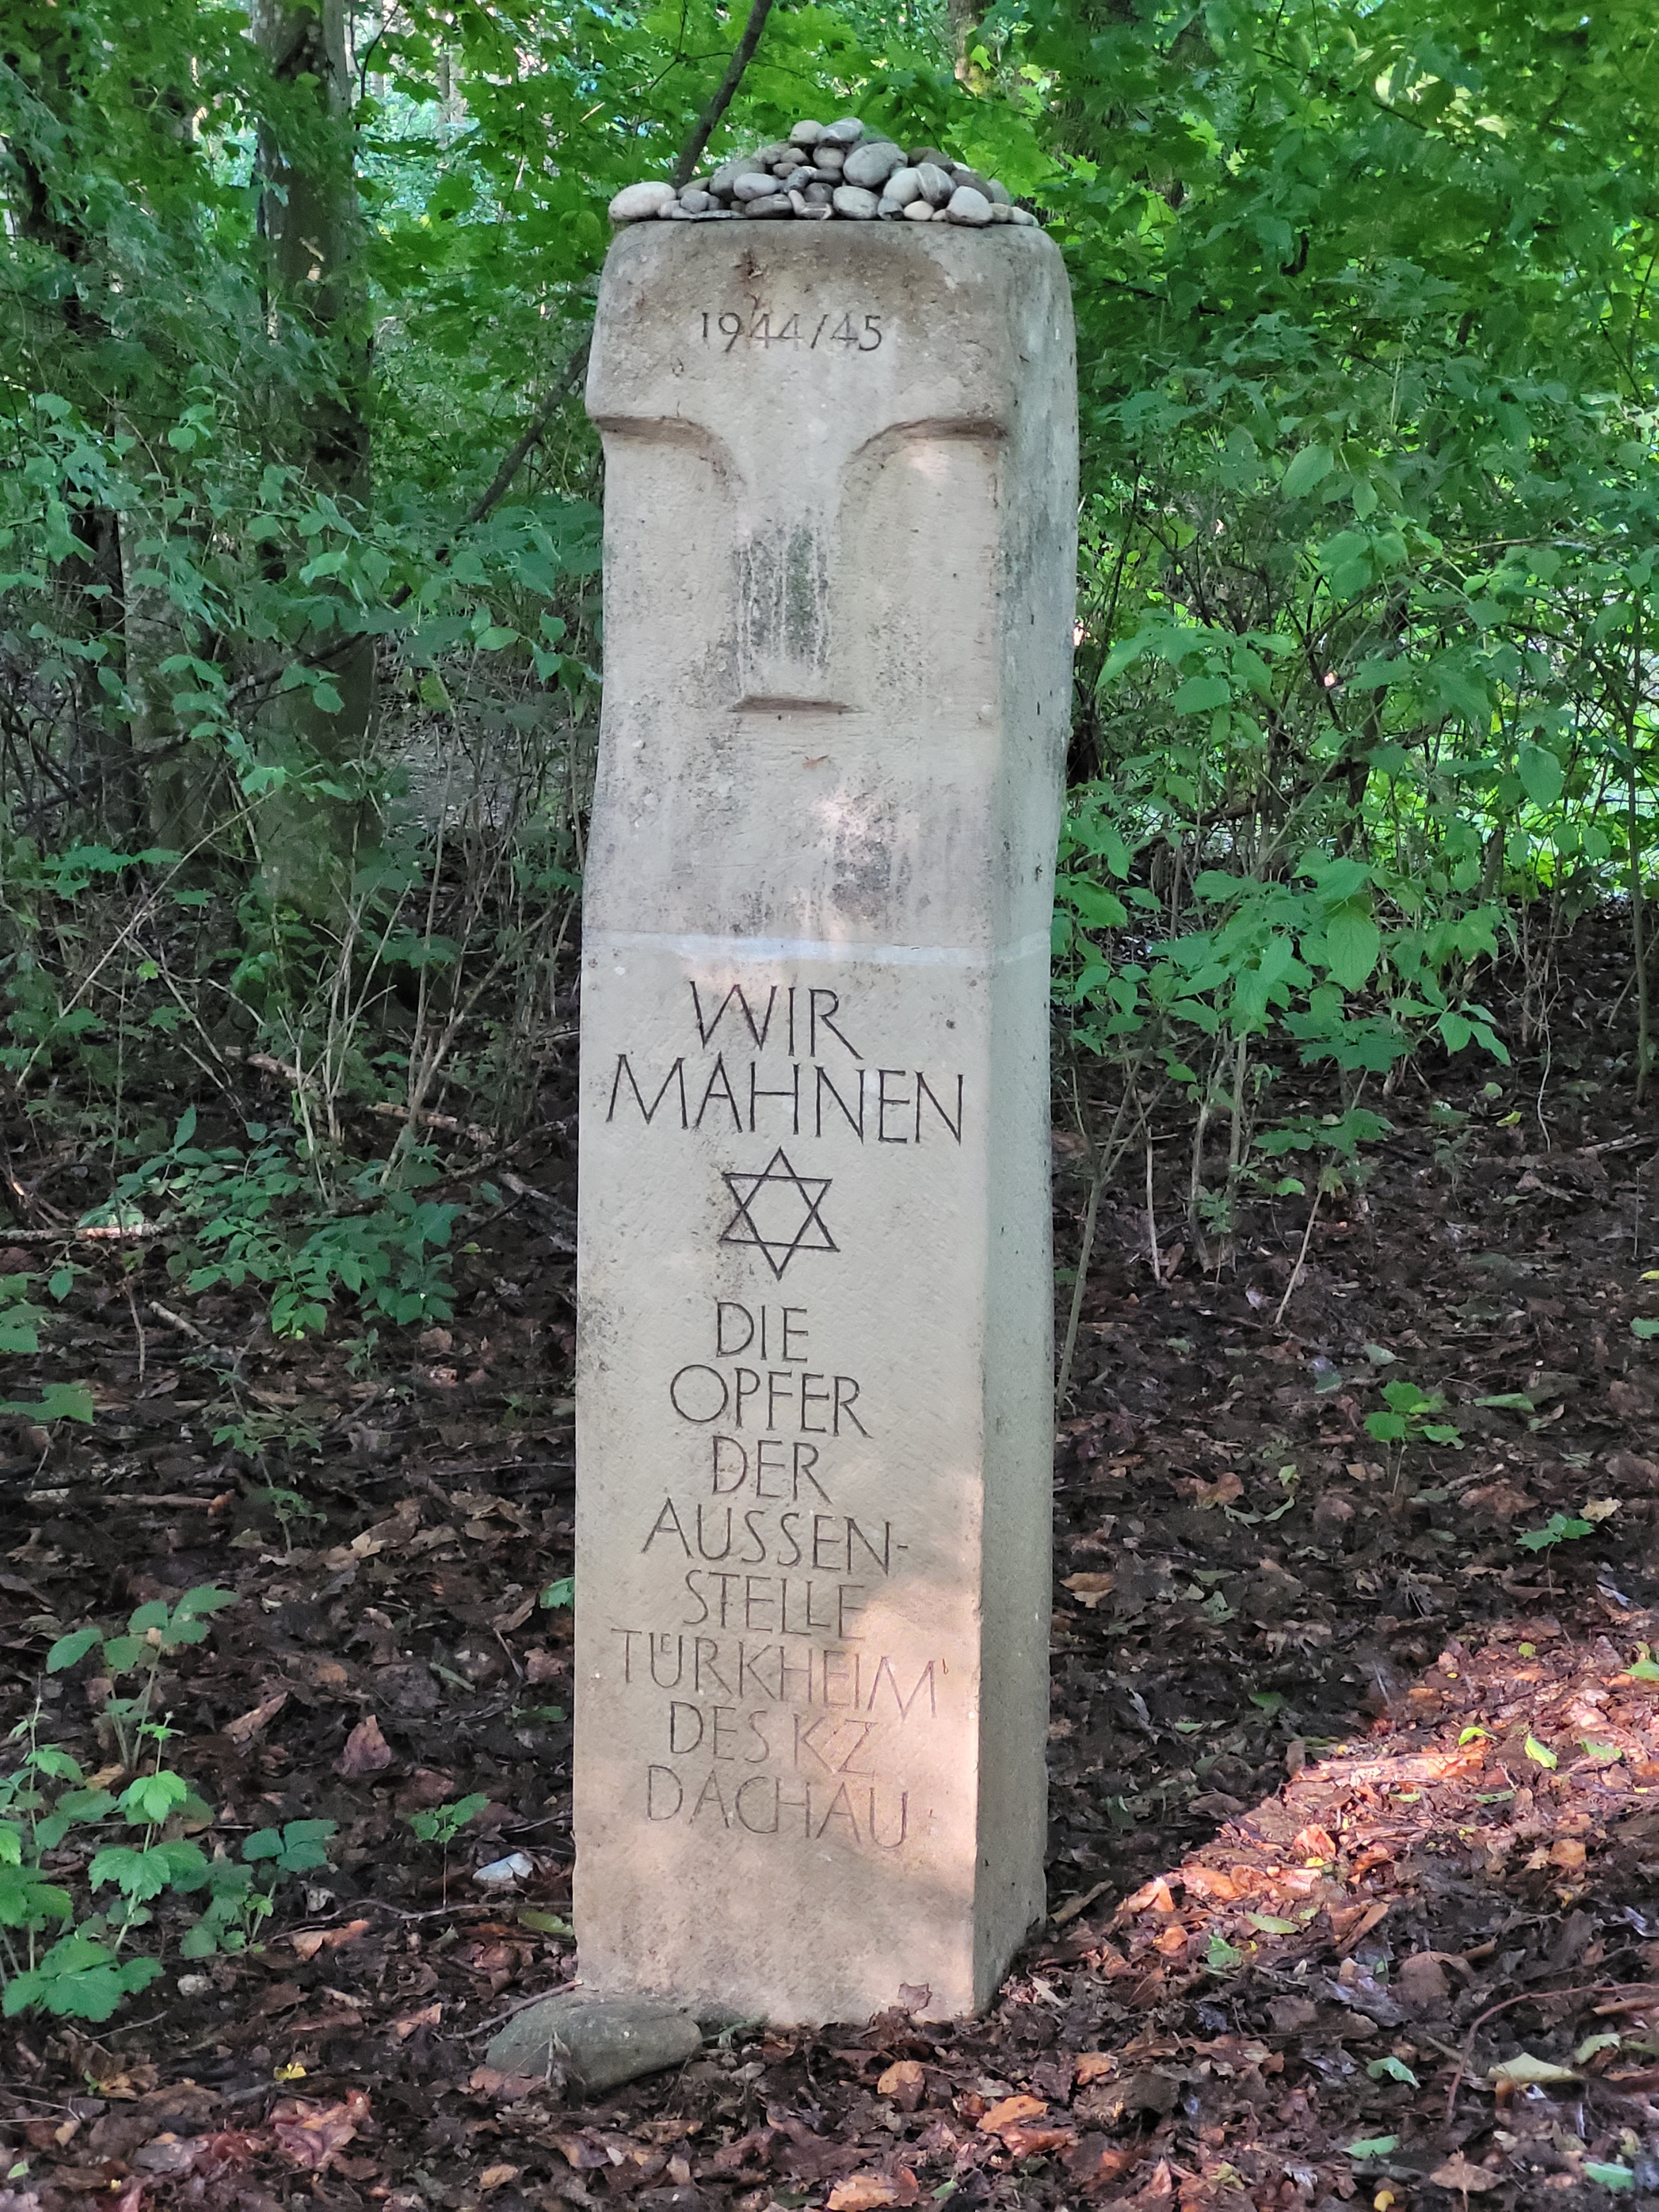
(817, 1095)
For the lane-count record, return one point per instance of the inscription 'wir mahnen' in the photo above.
(817, 1095)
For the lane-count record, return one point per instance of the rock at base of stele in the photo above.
(599, 2042)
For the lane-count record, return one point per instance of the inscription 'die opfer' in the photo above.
(757, 330)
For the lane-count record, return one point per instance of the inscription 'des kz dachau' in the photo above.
(777, 1713)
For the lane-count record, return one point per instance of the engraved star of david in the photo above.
(777, 1212)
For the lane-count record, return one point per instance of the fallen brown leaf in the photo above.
(868, 2192)
(1032, 2142)
(1457, 2172)
(367, 1751)
(244, 1729)
(1422, 1984)
(1089, 1589)
(428, 2016)
(310, 2135)
(905, 2082)
(1010, 2113)
(497, 2176)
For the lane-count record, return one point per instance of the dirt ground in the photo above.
(1355, 1794)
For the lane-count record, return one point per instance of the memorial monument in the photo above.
(815, 1420)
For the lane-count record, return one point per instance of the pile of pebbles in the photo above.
(826, 169)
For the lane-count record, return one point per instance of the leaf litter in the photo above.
(1354, 1793)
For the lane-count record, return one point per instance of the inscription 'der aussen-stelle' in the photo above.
(775, 1713)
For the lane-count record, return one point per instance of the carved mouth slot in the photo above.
(757, 702)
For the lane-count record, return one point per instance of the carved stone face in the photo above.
(808, 444)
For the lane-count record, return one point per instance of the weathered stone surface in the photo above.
(846, 131)
(872, 163)
(806, 132)
(968, 206)
(640, 203)
(756, 184)
(602, 2041)
(815, 1383)
(903, 185)
(773, 204)
(934, 182)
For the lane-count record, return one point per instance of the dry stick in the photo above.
(691, 152)
(1108, 1161)
(1301, 1257)
(138, 1330)
(1152, 1218)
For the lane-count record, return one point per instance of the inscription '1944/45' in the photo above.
(792, 330)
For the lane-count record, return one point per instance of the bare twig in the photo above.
(1301, 1257)
(138, 1330)
(691, 153)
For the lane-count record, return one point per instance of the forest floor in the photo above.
(1355, 1797)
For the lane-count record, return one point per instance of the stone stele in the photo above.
(815, 1419)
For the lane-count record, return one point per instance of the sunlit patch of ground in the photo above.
(1372, 1935)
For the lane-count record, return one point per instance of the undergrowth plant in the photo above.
(155, 1631)
(263, 1213)
(84, 1866)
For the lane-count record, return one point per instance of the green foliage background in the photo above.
(298, 649)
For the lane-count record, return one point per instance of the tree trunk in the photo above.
(312, 226)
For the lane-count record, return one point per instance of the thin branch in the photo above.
(570, 374)
(691, 153)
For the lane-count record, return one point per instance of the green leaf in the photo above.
(1393, 2070)
(1645, 1325)
(1201, 695)
(70, 1649)
(78, 1979)
(148, 1801)
(1542, 777)
(564, 1591)
(205, 1599)
(59, 1402)
(1371, 2146)
(1353, 945)
(1540, 1753)
(1309, 466)
(1610, 2176)
(543, 1923)
(1222, 1957)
